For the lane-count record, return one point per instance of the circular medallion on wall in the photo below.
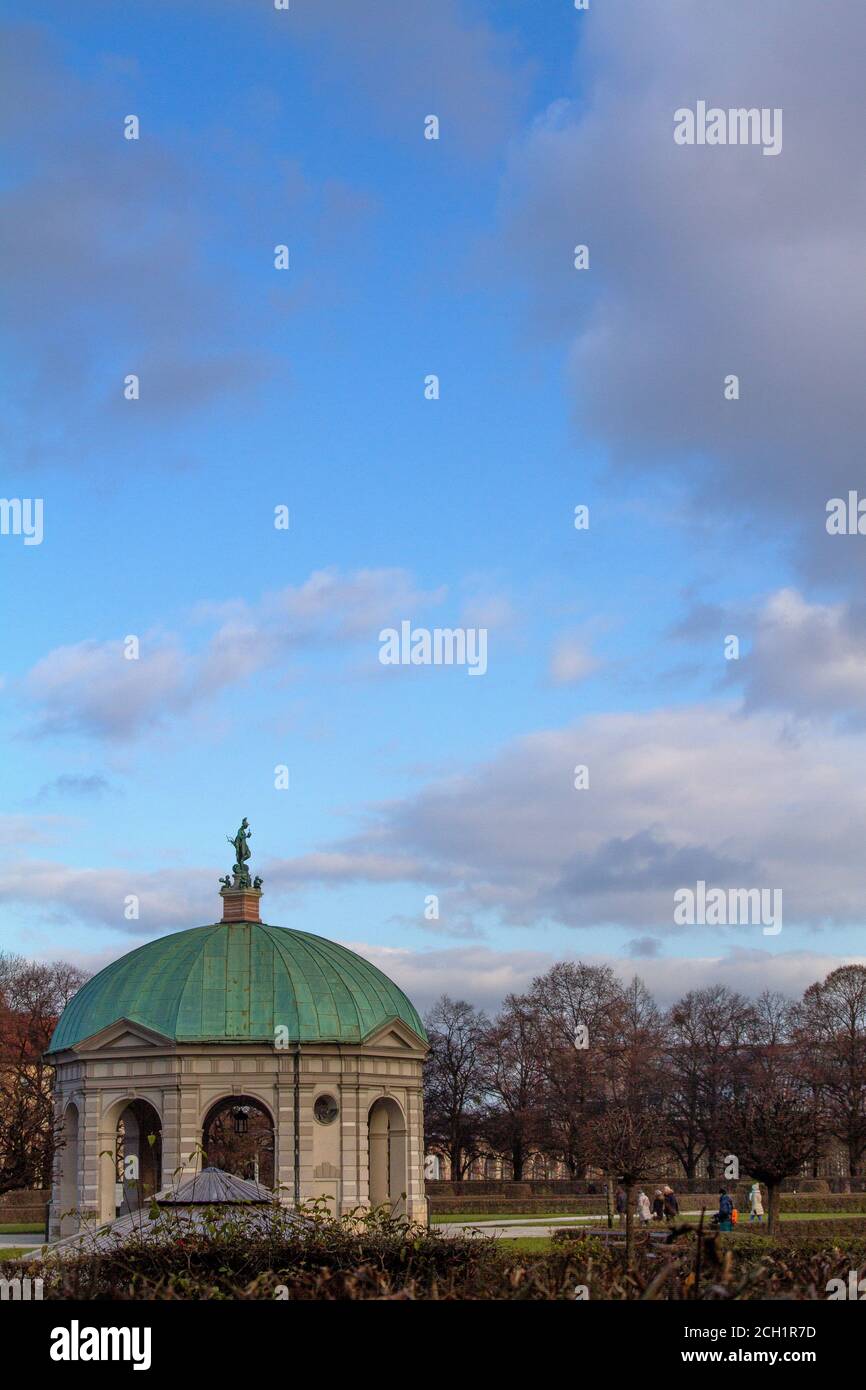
(326, 1109)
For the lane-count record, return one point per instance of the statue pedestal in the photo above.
(241, 904)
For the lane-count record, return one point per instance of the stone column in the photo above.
(416, 1201)
(171, 1155)
(353, 1139)
(90, 1116)
(284, 1138)
(189, 1158)
(308, 1187)
(55, 1206)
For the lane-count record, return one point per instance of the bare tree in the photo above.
(769, 1128)
(512, 1052)
(453, 1081)
(574, 1004)
(707, 1030)
(32, 997)
(625, 1141)
(635, 1048)
(831, 1035)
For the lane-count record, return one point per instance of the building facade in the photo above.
(268, 1052)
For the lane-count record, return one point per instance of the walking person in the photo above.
(726, 1209)
(658, 1205)
(756, 1204)
(643, 1208)
(672, 1206)
(621, 1203)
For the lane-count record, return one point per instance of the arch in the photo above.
(248, 1096)
(69, 1198)
(238, 1136)
(129, 1128)
(388, 1155)
(139, 1154)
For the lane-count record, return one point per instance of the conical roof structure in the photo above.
(212, 1187)
(183, 1211)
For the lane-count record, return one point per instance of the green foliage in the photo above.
(368, 1255)
(848, 1202)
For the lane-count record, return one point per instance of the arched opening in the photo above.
(386, 1128)
(238, 1136)
(138, 1156)
(69, 1200)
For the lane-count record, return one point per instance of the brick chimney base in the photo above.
(241, 904)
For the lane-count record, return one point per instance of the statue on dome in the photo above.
(242, 854)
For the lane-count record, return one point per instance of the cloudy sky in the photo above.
(558, 388)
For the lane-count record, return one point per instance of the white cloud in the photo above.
(484, 976)
(809, 658)
(98, 897)
(91, 687)
(571, 661)
(707, 261)
(675, 795)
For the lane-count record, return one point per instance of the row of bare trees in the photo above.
(32, 997)
(592, 1073)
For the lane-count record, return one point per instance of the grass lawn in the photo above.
(815, 1216)
(558, 1219)
(438, 1219)
(22, 1230)
(11, 1252)
(527, 1245)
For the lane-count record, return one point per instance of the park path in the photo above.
(516, 1228)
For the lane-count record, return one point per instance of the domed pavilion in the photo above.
(263, 1051)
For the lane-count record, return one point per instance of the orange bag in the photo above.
(735, 1216)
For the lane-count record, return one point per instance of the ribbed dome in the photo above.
(239, 982)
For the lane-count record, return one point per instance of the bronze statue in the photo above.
(242, 854)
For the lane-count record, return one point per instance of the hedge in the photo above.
(852, 1203)
(376, 1258)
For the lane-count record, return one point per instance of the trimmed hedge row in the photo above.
(25, 1197)
(375, 1258)
(836, 1229)
(23, 1216)
(556, 1187)
(849, 1202)
(24, 1206)
(520, 1206)
(852, 1203)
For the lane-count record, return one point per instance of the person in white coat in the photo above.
(756, 1205)
(643, 1208)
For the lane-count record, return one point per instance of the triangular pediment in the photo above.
(123, 1035)
(396, 1036)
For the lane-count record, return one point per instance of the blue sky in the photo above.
(306, 388)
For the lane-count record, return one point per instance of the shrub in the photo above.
(852, 1202)
(370, 1256)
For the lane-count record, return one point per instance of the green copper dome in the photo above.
(239, 982)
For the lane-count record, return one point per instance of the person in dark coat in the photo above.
(672, 1206)
(621, 1203)
(658, 1205)
(726, 1207)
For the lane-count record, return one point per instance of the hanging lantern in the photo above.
(242, 1124)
